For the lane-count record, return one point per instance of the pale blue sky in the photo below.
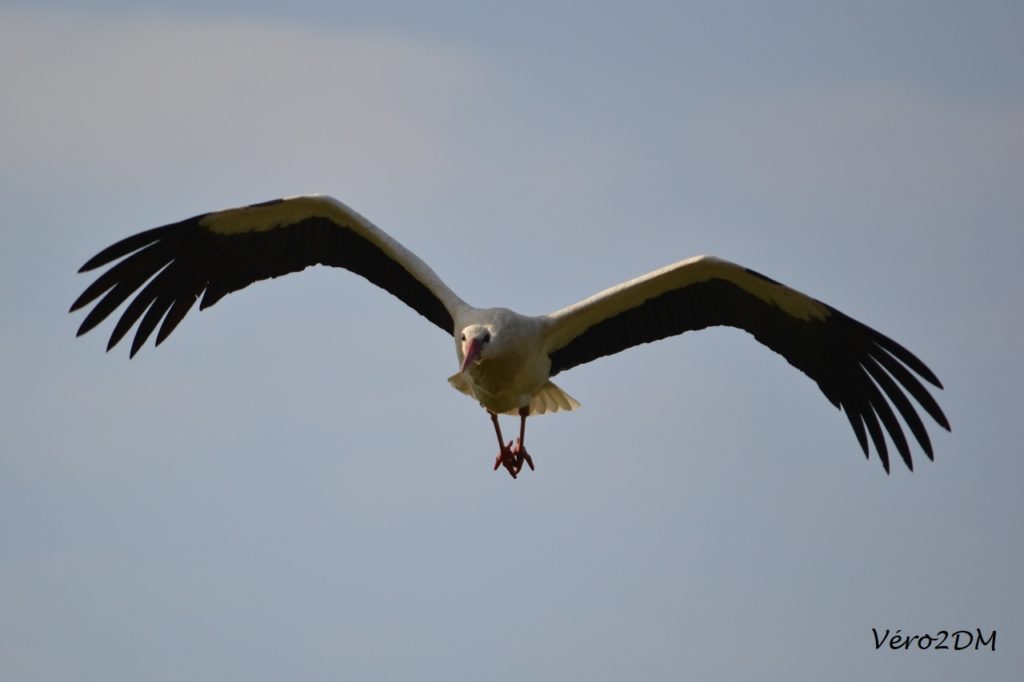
(289, 489)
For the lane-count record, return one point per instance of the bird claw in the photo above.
(512, 457)
(507, 459)
(522, 455)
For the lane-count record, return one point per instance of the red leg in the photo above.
(519, 449)
(505, 457)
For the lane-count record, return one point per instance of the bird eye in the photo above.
(463, 337)
(487, 337)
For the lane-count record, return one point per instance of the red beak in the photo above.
(472, 352)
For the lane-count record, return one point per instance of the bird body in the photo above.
(514, 366)
(514, 371)
(506, 360)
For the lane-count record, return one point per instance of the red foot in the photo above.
(507, 459)
(512, 457)
(522, 455)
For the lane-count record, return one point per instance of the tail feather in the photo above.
(549, 398)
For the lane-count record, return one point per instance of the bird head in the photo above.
(473, 343)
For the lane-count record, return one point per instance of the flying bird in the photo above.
(506, 360)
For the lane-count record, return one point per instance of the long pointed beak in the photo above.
(471, 352)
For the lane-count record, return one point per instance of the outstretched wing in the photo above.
(213, 254)
(858, 369)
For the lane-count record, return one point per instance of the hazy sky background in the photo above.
(289, 489)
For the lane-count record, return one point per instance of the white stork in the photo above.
(506, 360)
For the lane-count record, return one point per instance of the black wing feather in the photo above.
(168, 268)
(858, 369)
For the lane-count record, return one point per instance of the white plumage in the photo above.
(506, 360)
